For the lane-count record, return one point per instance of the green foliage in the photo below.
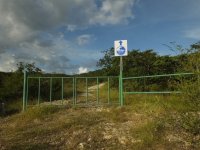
(191, 93)
(139, 63)
(12, 83)
(11, 89)
(106, 61)
(142, 63)
(30, 68)
(12, 86)
(193, 58)
(13, 107)
(191, 86)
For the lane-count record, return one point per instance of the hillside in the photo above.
(147, 122)
(163, 121)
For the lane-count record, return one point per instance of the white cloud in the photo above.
(71, 27)
(193, 33)
(59, 55)
(24, 20)
(26, 31)
(84, 39)
(7, 62)
(82, 70)
(114, 12)
(19, 21)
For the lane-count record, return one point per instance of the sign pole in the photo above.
(121, 50)
(121, 82)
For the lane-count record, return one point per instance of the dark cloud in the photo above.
(46, 43)
(22, 19)
(63, 59)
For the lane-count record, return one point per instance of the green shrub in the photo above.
(191, 93)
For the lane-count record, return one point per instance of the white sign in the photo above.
(121, 48)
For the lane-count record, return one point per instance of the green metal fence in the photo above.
(179, 77)
(75, 97)
(155, 76)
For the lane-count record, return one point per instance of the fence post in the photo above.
(62, 91)
(73, 86)
(24, 90)
(97, 90)
(2, 106)
(108, 90)
(86, 90)
(27, 80)
(39, 91)
(50, 91)
(75, 90)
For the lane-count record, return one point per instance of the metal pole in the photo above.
(97, 90)
(27, 80)
(38, 91)
(50, 96)
(121, 82)
(24, 90)
(108, 90)
(86, 90)
(75, 92)
(119, 91)
(198, 77)
(62, 91)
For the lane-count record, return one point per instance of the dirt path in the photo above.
(92, 88)
(69, 101)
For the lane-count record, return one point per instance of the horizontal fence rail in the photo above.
(156, 92)
(162, 75)
(155, 76)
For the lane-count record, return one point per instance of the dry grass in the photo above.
(146, 122)
(53, 127)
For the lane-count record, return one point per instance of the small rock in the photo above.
(81, 145)
(123, 140)
(136, 141)
(89, 139)
(36, 121)
(107, 137)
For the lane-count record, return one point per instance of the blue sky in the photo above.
(67, 36)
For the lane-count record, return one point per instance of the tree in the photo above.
(12, 86)
(108, 63)
(135, 64)
(31, 68)
(190, 62)
(142, 63)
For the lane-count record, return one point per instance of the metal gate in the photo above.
(81, 91)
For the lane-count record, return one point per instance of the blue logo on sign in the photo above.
(121, 50)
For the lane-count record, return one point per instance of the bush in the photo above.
(191, 93)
